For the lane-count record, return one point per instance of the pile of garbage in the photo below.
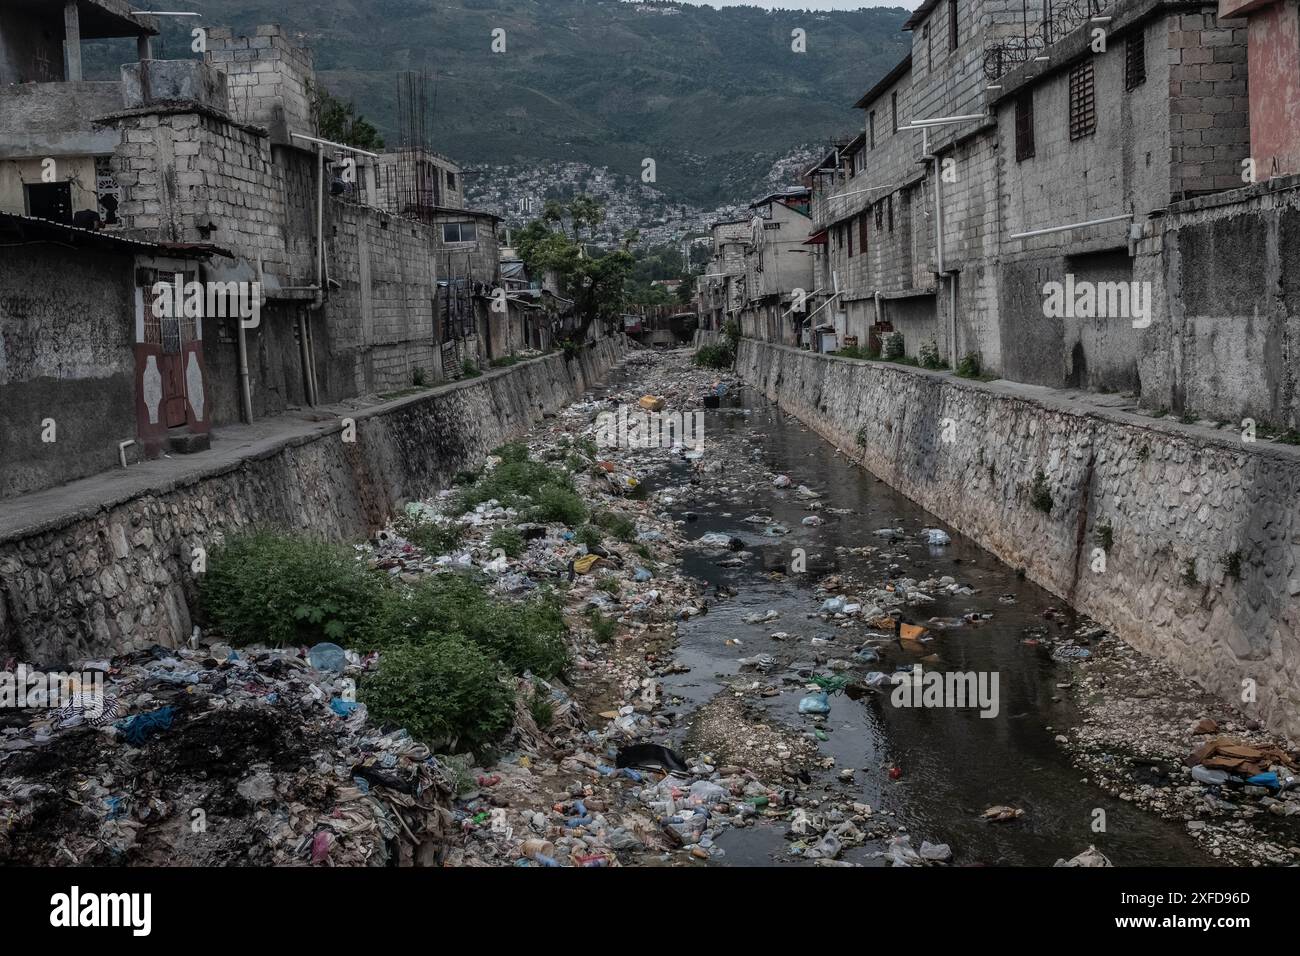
(218, 757)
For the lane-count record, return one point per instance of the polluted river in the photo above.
(931, 771)
(734, 647)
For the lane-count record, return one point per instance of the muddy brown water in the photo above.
(954, 762)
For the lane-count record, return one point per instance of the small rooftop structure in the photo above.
(40, 40)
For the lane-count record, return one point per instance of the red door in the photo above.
(173, 372)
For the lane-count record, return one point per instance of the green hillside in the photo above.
(712, 95)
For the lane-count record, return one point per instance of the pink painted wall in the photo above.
(1274, 69)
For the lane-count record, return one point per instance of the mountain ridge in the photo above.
(714, 96)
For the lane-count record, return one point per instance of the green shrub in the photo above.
(588, 535)
(449, 691)
(855, 352)
(505, 361)
(469, 370)
(525, 635)
(514, 451)
(429, 536)
(720, 355)
(929, 354)
(731, 333)
(507, 540)
(610, 585)
(515, 481)
(602, 628)
(970, 366)
(893, 346)
(542, 707)
(419, 378)
(618, 526)
(279, 589)
(557, 503)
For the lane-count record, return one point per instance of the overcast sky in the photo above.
(810, 4)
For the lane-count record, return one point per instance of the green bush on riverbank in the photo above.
(447, 647)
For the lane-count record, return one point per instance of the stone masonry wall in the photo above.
(1179, 501)
(118, 577)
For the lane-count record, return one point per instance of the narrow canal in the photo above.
(948, 764)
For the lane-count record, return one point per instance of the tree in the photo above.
(340, 122)
(595, 281)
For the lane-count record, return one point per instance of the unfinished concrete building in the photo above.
(211, 169)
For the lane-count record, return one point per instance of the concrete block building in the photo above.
(212, 170)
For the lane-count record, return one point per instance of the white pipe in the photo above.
(245, 390)
(952, 297)
(1073, 225)
(121, 449)
(822, 306)
(944, 120)
(329, 142)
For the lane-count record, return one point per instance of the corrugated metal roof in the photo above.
(34, 229)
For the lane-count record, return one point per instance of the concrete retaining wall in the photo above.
(1179, 502)
(118, 577)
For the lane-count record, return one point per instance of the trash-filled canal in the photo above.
(770, 497)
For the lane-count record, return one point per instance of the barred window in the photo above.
(871, 129)
(894, 106)
(848, 232)
(952, 24)
(880, 216)
(1135, 60)
(862, 232)
(1083, 100)
(1025, 126)
(889, 205)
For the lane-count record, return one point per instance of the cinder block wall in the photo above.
(270, 78)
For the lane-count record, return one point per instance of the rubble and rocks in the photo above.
(1153, 738)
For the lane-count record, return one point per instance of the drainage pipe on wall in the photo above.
(245, 389)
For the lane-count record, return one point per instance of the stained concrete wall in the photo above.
(67, 324)
(117, 576)
(1223, 347)
(1176, 498)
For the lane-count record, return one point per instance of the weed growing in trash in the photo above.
(617, 525)
(508, 541)
(525, 635)
(449, 691)
(431, 536)
(279, 589)
(547, 493)
(602, 628)
(719, 356)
